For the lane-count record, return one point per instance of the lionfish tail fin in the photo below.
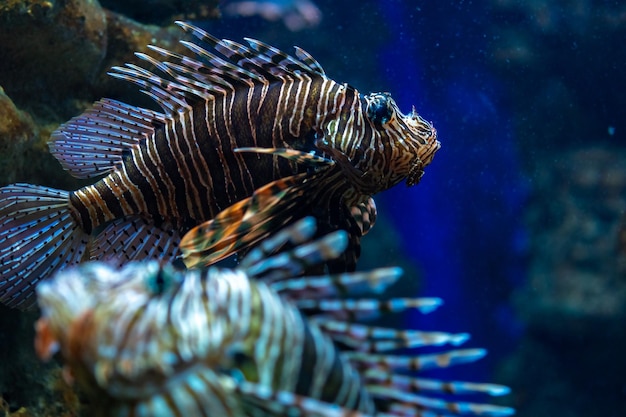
(38, 236)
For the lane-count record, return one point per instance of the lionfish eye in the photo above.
(379, 109)
(160, 280)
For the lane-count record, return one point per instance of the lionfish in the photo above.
(151, 340)
(246, 126)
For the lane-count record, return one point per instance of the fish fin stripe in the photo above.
(94, 143)
(406, 402)
(365, 360)
(270, 208)
(258, 57)
(203, 75)
(296, 261)
(38, 235)
(244, 223)
(335, 285)
(418, 384)
(365, 215)
(305, 57)
(363, 308)
(135, 238)
(372, 339)
(319, 297)
(297, 233)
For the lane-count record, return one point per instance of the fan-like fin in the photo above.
(258, 57)
(296, 261)
(38, 236)
(134, 238)
(93, 143)
(245, 223)
(362, 308)
(305, 57)
(200, 73)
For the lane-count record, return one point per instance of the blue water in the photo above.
(463, 224)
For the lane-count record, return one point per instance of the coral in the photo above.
(164, 11)
(55, 55)
(55, 58)
(51, 49)
(17, 134)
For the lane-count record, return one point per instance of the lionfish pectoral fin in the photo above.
(38, 236)
(301, 157)
(134, 238)
(244, 223)
(337, 285)
(401, 391)
(365, 215)
(95, 142)
(299, 232)
(303, 257)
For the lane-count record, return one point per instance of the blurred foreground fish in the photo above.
(148, 340)
(243, 124)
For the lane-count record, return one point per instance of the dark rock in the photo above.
(163, 12)
(52, 51)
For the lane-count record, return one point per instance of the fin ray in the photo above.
(133, 238)
(93, 143)
(38, 235)
(240, 65)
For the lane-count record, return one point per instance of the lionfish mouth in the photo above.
(424, 158)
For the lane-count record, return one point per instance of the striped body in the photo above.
(187, 171)
(148, 340)
(246, 131)
(177, 335)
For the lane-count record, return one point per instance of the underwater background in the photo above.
(517, 224)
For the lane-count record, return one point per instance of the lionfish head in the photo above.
(74, 292)
(406, 143)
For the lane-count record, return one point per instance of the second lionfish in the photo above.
(150, 341)
(242, 125)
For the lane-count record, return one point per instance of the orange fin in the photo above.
(245, 223)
